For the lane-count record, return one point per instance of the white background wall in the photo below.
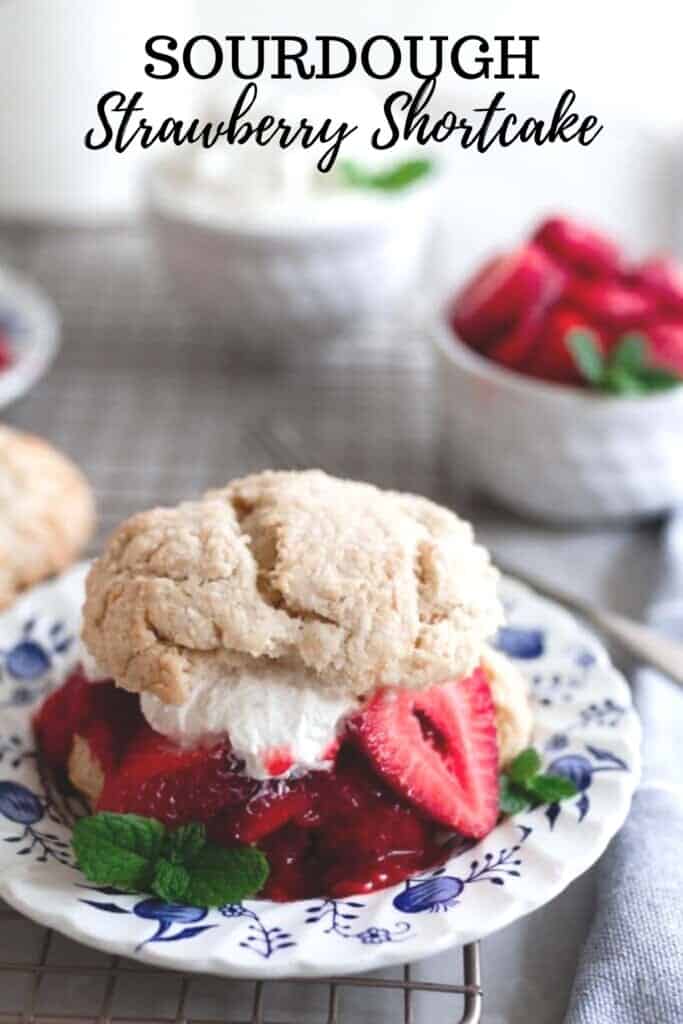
(58, 56)
(625, 53)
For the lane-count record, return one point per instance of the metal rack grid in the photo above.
(113, 976)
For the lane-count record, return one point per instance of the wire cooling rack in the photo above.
(37, 988)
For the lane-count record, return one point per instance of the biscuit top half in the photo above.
(356, 586)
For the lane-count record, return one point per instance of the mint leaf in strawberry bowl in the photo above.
(131, 852)
(628, 369)
(587, 355)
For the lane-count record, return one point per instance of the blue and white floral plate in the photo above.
(585, 727)
(32, 324)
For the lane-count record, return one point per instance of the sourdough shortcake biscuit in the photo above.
(358, 586)
(46, 512)
(510, 696)
(85, 770)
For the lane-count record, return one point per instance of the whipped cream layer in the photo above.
(277, 721)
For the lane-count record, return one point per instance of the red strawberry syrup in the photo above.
(327, 833)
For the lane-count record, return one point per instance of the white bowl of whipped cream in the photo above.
(262, 244)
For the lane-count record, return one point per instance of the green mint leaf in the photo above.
(511, 798)
(171, 881)
(392, 179)
(551, 788)
(586, 353)
(136, 853)
(118, 849)
(182, 845)
(658, 378)
(525, 766)
(619, 381)
(218, 876)
(630, 353)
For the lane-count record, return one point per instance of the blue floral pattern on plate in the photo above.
(340, 918)
(517, 642)
(26, 810)
(585, 729)
(168, 918)
(30, 662)
(441, 891)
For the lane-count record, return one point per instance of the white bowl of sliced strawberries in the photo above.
(561, 378)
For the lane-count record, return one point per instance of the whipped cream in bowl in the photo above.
(271, 187)
(259, 241)
(278, 721)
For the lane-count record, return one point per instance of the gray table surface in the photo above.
(155, 407)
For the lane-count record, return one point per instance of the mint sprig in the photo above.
(391, 179)
(524, 785)
(139, 854)
(212, 877)
(627, 370)
(118, 849)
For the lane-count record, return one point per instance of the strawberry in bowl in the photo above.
(559, 373)
(566, 300)
(291, 680)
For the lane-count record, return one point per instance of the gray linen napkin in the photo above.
(631, 969)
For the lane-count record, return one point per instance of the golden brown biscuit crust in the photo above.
(510, 695)
(85, 770)
(358, 585)
(47, 512)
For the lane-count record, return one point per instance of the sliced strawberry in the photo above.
(369, 876)
(173, 784)
(62, 714)
(662, 278)
(578, 247)
(278, 761)
(390, 826)
(114, 721)
(438, 749)
(465, 302)
(551, 359)
(292, 876)
(612, 305)
(514, 348)
(504, 290)
(666, 345)
(150, 754)
(268, 811)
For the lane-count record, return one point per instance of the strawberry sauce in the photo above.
(327, 833)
